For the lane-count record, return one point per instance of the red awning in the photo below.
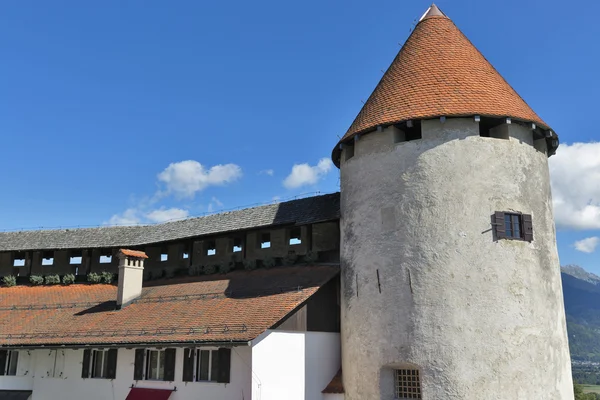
(148, 394)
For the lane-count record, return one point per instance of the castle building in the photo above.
(433, 274)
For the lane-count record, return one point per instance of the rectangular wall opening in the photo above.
(19, 259)
(48, 258)
(295, 236)
(164, 254)
(407, 131)
(106, 257)
(75, 257)
(348, 151)
(493, 128)
(237, 245)
(211, 248)
(265, 240)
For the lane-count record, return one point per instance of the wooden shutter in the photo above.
(499, 225)
(3, 357)
(111, 367)
(138, 369)
(169, 365)
(85, 365)
(527, 227)
(188, 365)
(224, 365)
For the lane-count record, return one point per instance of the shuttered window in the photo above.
(511, 225)
(202, 365)
(157, 365)
(9, 360)
(99, 364)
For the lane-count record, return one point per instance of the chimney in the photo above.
(131, 275)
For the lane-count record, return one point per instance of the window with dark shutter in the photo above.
(527, 228)
(3, 358)
(138, 369)
(188, 365)
(85, 365)
(224, 368)
(111, 369)
(499, 225)
(512, 225)
(169, 365)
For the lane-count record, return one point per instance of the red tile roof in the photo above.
(238, 306)
(133, 253)
(336, 385)
(438, 72)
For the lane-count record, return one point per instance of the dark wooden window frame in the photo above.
(6, 362)
(109, 364)
(523, 221)
(218, 365)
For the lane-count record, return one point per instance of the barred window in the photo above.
(407, 384)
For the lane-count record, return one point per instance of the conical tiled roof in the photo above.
(438, 72)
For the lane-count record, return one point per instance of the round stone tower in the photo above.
(451, 284)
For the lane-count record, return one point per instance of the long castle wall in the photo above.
(425, 282)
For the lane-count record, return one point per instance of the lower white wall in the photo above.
(59, 377)
(293, 365)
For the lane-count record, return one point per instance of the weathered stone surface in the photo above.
(480, 318)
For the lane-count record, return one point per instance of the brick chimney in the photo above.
(131, 275)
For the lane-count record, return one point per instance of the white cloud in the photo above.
(304, 174)
(269, 172)
(587, 245)
(575, 175)
(185, 178)
(128, 217)
(166, 214)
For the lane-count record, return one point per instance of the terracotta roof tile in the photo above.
(238, 306)
(438, 72)
(336, 385)
(133, 253)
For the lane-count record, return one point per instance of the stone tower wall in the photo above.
(425, 283)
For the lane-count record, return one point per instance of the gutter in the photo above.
(71, 346)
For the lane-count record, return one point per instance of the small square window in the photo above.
(237, 245)
(211, 248)
(265, 240)
(407, 384)
(185, 253)
(164, 257)
(48, 258)
(19, 259)
(75, 257)
(295, 236)
(105, 256)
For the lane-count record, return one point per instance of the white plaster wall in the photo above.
(294, 365)
(483, 319)
(70, 385)
(333, 396)
(322, 362)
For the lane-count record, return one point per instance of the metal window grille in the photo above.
(407, 384)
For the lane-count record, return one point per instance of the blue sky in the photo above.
(144, 110)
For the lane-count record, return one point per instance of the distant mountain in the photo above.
(581, 291)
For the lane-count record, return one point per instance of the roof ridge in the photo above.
(306, 210)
